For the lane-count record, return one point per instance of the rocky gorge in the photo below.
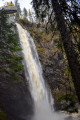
(15, 97)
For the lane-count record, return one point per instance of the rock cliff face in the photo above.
(54, 64)
(15, 98)
(51, 58)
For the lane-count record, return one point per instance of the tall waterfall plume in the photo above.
(42, 97)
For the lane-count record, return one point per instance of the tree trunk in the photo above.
(68, 46)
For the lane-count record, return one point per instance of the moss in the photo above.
(69, 102)
(48, 44)
(38, 49)
(26, 20)
(3, 115)
(38, 25)
(40, 34)
(41, 55)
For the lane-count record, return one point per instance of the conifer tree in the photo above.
(18, 9)
(71, 53)
(30, 16)
(25, 13)
(9, 46)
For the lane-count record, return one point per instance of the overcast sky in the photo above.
(23, 3)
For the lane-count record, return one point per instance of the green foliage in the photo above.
(41, 9)
(62, 82)
(69, 102)
(2, 115)
(25, 13)
(18, 10)
(66, 97)
(9, 47)
(58, 43)
(38, 25)
(67, 70)
(30, 16)
(26, 20)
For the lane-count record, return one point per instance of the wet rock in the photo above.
(69, 118)
(15, 98)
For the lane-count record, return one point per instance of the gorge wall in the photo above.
(15, 99)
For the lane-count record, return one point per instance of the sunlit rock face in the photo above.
(11, 11)
(11, 18)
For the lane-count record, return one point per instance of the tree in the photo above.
(71, 11)
(9, 46)
(18, 9)
(30, 16)
(71, 53)
(68, 46)
(24, 13)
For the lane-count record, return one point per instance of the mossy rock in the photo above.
(3, 115)
(68, 103)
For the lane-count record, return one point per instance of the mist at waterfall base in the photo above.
(43, 101)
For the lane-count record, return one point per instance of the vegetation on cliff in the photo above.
(54, 63)
(57, 42)
(67, 18)
(9, 47)
(13, 88)
(3, 116)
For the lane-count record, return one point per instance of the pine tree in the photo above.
(25, 13)
(9, 46)
(30, 16)
(71, 52)
(18, 9)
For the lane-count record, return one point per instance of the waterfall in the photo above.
(42, 97)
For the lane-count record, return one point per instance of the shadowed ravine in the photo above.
(42, 97)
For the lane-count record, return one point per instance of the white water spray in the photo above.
(42, 97)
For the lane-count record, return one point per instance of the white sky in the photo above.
(23, 3)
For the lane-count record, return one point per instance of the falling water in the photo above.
(41, 95)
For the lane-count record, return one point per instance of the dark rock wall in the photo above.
(15, 98)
